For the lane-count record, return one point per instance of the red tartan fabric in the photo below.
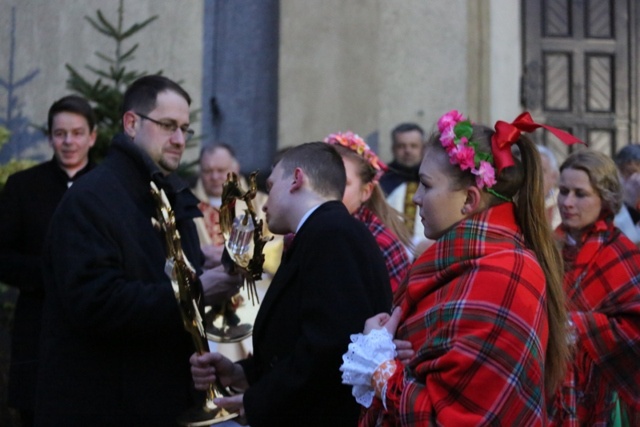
(474, 309)
(395, 255)
(602, 284)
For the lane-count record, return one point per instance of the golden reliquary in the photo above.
(244, 241)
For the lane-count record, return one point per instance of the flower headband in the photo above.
(455, 133)
(356, 144)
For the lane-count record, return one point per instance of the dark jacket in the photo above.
(397, 175)
(331, 279)
(114, 350)
(27, 203)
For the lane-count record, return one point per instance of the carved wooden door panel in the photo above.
(578, 73)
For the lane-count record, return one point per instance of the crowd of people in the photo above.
(474, 280)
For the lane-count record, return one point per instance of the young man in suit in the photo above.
(331, 279)
(27, 204)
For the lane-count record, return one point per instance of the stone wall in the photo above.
(363, 65)
(367, 65)
(37, 39)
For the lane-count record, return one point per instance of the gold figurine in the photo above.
(185, 283)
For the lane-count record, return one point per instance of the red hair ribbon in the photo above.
(508, 133)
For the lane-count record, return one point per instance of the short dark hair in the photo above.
(72, 104)
(321, 163)
(142, 94)
(405, 127)
(628, 159)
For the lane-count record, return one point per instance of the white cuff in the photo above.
(365, 354)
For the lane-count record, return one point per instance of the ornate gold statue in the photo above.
(185, 284)
(244, 243)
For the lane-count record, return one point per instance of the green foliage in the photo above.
(106, 93)
(4, 135)
(13, 165)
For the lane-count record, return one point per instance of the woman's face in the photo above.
(440, 206)
(355, 192)
(579, 203)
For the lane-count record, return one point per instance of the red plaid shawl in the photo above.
(474, 308)
(602, 285)
(395, 255)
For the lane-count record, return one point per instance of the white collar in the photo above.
(307, 215)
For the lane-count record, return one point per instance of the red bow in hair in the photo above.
(508, 133)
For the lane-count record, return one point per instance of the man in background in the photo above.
(627, 160)
(216, 162)
(401, 181)
(27, 204)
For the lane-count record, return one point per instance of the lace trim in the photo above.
(365, 354)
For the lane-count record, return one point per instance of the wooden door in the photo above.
(579, 73)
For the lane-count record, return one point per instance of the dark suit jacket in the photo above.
(27, 203)
(114, 349)
(331, 279)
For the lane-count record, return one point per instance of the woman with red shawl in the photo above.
(482, 308)
(602, 287)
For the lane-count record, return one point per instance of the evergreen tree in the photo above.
(106, 93)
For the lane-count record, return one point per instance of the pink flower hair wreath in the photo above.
(455, 137)
(356, 144)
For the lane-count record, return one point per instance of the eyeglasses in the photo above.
(170, 128)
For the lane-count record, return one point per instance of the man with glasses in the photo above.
(114, 348)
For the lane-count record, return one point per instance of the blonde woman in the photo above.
(365, 200)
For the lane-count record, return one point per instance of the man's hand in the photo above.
(232, 404)
(212, 255)
(206, 367)
(218, 286)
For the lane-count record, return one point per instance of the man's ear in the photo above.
(298, 179)
(129, 120)
(473, 202)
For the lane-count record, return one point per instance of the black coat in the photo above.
(114, 350)
(331, 279)
(398, 175)
(27, 203)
